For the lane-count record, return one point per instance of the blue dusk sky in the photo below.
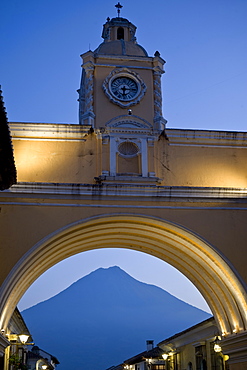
(204, 87)
(140, 266)
(203, 42)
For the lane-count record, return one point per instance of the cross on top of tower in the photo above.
(118, 6)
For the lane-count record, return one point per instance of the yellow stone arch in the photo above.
(195, 258)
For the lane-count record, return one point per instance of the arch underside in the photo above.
(187, 252)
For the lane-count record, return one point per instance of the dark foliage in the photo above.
(7, 163)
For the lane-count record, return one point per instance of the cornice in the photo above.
(132, 190)
(207, 138)
(67, 132)
(47, 131)
(235, 346)
(4, 343)
(128, 58)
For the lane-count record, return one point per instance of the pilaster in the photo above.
(235, 346)
(4, 343)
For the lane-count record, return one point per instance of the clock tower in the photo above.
(120, 100)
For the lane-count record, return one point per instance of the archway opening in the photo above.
(191, 255)
(140, 266)
(119, 291)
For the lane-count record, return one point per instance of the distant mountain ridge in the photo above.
(106, 317)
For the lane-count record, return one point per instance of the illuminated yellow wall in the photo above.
(56, 160)
(181, 158)
(191, 161)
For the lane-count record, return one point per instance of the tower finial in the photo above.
(118, 6)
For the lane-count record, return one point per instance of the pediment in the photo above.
(129, 122)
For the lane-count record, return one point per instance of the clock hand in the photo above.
(124, 89)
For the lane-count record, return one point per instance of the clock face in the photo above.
(124, 88)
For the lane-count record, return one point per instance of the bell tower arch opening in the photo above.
(195, 258)
(120, 33)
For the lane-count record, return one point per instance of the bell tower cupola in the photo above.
(118, 29)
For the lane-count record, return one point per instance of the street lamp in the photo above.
(19, 339)
(217, 347)
(23, 338)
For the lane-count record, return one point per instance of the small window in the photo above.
(128, 159)
(120, 33)
(159, 367)
(128, 149)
